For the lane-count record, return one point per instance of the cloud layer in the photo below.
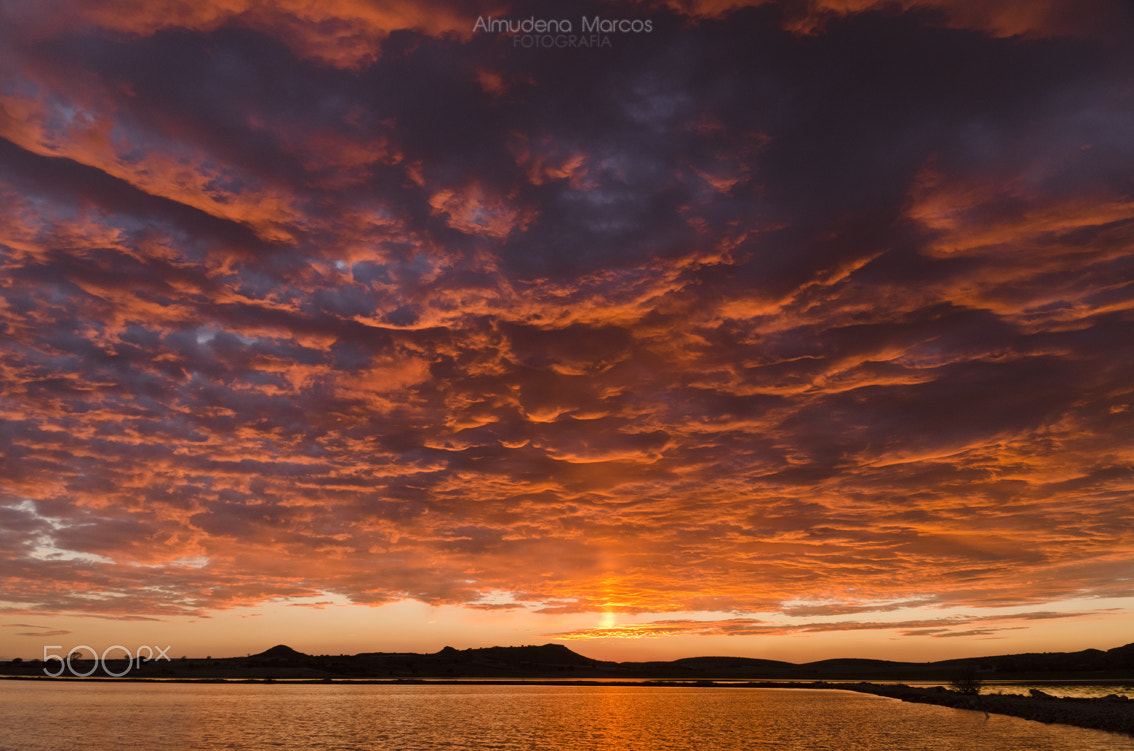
(772, 304)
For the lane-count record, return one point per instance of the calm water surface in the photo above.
(37, 716)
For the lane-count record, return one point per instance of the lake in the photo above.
(43, 715)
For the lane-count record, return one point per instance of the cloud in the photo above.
(342, 33)
(25, 625)
(937, 628)
(1025, 18)
(764, 313)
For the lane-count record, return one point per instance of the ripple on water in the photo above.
(45, 716)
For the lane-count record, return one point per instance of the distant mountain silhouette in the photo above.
(548, 654)
(555, 661)
(279, 652)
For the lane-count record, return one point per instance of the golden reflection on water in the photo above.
(45, 716)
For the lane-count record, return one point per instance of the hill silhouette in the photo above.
(279, 652)
(556, 661)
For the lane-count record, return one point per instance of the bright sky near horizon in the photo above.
(785, 330)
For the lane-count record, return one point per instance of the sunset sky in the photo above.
(786, 330)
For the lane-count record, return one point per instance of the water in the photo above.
(45, 716)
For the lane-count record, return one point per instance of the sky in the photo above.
(786, 330)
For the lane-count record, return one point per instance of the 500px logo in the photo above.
(75, 653)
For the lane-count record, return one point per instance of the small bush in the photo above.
(967, 683)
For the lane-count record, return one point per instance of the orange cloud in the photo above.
(471, 211)
(345, 33)
(936, 628)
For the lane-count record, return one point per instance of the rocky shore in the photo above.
(1113, 713)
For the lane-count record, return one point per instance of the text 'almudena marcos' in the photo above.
(593, 25)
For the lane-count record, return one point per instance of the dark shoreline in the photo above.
(1113, 714)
